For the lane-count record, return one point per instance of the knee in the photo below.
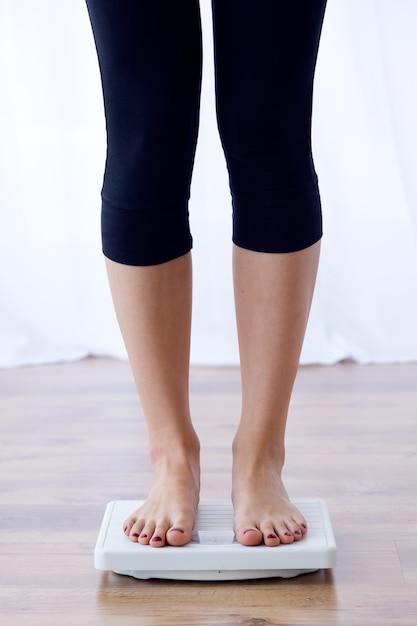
(150, 148)
(276, 203)
(267, 147)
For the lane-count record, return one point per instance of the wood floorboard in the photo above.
(72, 438)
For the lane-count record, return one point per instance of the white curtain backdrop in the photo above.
(54, 299)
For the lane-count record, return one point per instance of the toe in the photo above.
(297, 535)
(249, 536)
(284, 533)
(127, 526)
(295, 529)
(289, 531)
(177, 536)
(134, 530)
(158, 538)
(145, 532)
(296, 522)
(270, 536)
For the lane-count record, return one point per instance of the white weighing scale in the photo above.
(214, 554)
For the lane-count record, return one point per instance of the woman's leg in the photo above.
(273, 294)
(150, 61)
(153, 305)
(265, 59)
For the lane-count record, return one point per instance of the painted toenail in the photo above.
(251, 530)
(272, 536)
(143, 536)
(288, 535)
(297, 532)
(177, 530)
(303, 526)
(156, 539)
(135, 535)
(125, 528)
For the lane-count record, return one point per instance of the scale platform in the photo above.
(214, 554)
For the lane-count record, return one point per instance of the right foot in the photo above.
(168, 515)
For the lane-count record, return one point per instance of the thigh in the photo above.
(150, 60)
(266, 53)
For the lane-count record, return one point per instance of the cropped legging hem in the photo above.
(129, 236)
(260, 226)
(287, 223)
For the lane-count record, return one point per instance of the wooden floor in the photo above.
(72, 438)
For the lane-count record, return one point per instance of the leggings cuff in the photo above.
(146, 236)
(280, 223)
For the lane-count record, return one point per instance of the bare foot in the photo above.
(263, 512)
(168, 515)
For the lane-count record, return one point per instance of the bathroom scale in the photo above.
(213, 553)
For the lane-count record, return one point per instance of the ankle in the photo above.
(172, 448)
(254, 451)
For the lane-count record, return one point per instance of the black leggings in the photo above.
(150, 56)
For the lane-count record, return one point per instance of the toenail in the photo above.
(125, 528)
(272, 536)
(135, 535)
(303, 526)
(143, 536)
(297, 532)
(251, 530)
(177, 530)
(156, 539)
(288, 535)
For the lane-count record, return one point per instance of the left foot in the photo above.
(263, 512)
